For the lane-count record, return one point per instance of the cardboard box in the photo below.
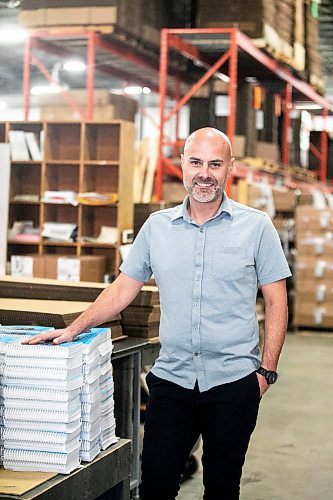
(316, 247)
(65, 268)
(69, 16)
(284, 199)
(255, 197)
(318, 270)
(268, 150)
(313, 315)
(311, 291)
(303, 233)
(304, 198)
(238, 146)
(314, 218)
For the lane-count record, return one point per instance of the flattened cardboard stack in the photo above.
(56, 313)
(314, 268)
(313, 60)
(142, 317)
(277, 26)
(107, 106)
(56, 402)
(141, 18)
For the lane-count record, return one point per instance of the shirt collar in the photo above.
(182, 212)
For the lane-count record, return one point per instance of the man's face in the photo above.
(206, 165)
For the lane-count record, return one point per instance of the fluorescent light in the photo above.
(251, 79)
(307, 105)
(74, 65)
(133, 90)
(146, 90)
(116, 91)
(45, 89)
(3, 105)
(222, 77)
(11, 36)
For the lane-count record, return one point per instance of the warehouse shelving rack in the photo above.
(230, 45)
(210, 50)
(114, 54)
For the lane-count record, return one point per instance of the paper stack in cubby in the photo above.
(56, 400)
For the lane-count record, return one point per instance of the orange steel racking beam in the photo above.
(171, 38)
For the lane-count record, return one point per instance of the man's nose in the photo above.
(205, 168)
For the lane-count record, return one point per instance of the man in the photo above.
(208, 256)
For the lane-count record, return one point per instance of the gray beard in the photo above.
(213, 194)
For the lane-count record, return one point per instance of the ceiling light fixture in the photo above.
(45, 89)
(12, 36)
(133, 90)
(74, 65)
(307, 105)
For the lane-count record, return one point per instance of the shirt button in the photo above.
(195, 303)
(197, 278)
(196, 354)
(201, 230)
(199, 253)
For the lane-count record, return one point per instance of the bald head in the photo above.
(212, 136)
(206, 165)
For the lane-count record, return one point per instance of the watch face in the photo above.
(271, 377)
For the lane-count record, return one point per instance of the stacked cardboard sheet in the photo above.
(142, 317)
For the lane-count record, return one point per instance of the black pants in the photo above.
(225, 416)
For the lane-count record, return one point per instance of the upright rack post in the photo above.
(163, 78)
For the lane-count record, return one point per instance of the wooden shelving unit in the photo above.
(79, 157)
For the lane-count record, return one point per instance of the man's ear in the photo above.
(182, 159)
(231, 165)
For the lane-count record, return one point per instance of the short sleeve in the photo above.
(271, 263)
(137, 264)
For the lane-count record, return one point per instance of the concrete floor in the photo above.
(291, 452)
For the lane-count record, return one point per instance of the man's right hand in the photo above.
(57, 336)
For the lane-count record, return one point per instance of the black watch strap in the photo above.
(270, 376)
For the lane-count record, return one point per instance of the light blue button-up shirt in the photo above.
(207, 277)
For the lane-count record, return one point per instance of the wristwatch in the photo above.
(270, 376)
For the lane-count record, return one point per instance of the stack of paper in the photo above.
(98, 423)
(40, 404)
(90, 396)
(56, 402)
(108, 423)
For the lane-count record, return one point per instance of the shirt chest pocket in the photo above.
(229, 263)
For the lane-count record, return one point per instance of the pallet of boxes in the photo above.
(314, 268)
